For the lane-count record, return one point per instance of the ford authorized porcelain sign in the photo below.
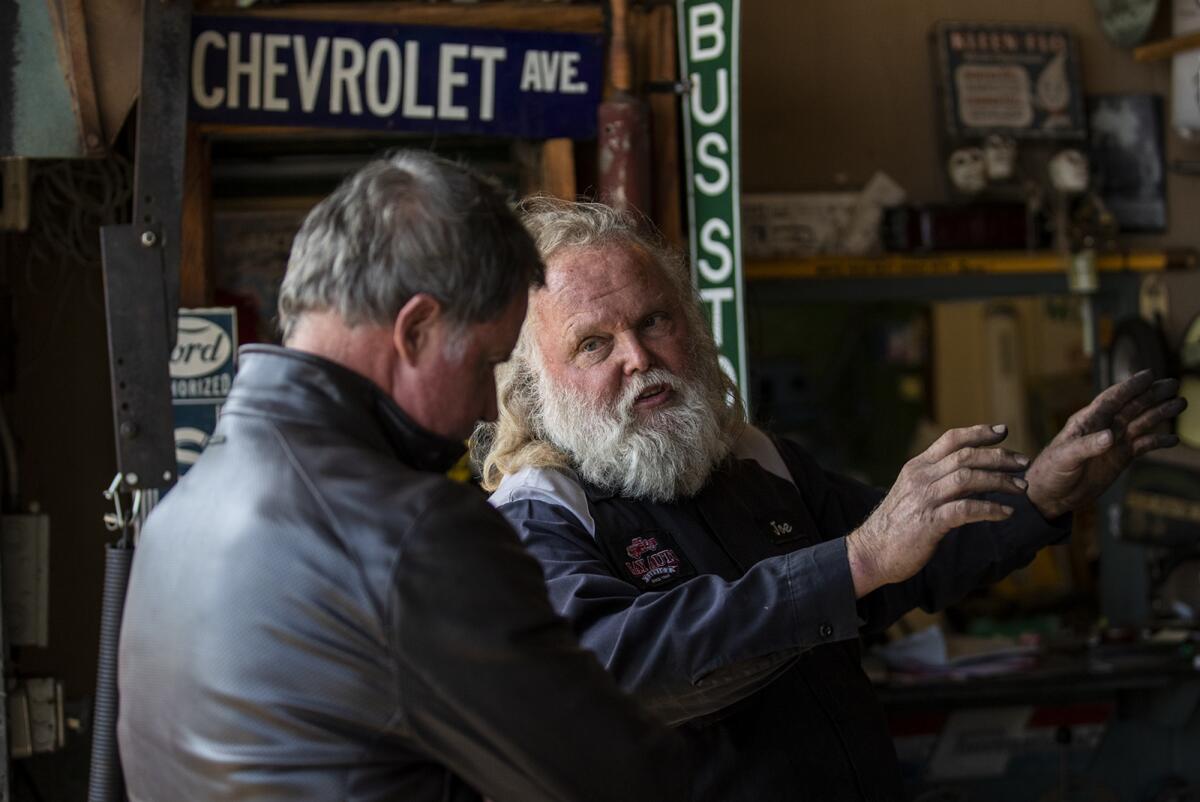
(202, 369)
(204, 347)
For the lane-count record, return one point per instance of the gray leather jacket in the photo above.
(316, 613)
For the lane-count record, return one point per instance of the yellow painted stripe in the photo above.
(951, 264)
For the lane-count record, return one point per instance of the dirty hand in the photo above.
(929, 498)
(1100, 440)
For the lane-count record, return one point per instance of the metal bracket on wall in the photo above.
(667, 87)
(139, 351)
(141, 296)
(141, 260)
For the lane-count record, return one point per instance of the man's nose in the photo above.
(635, 357)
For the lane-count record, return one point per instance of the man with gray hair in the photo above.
(315, 611)
(720, 573)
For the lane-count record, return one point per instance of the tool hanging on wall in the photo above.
(1084, 228)
(624, 126)
(1136, 345)
(141, 295)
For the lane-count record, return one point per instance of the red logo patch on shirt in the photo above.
(650, 559)
(640, 545)
(656, 568)
(654, 561)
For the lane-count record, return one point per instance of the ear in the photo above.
(413, 331)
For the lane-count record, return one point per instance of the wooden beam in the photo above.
(558, 168)
(70, 34)
(524, 16)
(661, 68)
(196, 285)
(276, 131)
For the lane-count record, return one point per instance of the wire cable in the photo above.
(71, 200)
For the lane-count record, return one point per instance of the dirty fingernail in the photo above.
(999, 428)
(1022, 460)
(1021, 483)
(1105, 438)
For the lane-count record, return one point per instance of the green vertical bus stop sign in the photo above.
(708, 52)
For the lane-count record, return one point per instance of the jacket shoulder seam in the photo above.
(326, 510)
(395, 655)
(294, 461)
(547, 486)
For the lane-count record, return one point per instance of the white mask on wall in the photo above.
(967, 170)
(1069, 171)
(1000, 157)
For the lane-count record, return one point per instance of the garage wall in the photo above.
(833, 90)
(61, 416)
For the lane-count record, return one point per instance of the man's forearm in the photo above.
(966, 558)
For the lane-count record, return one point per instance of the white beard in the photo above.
(668, 454)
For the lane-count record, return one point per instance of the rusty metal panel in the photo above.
(37, 111)
(68, 75)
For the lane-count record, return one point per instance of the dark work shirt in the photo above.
(732, 614)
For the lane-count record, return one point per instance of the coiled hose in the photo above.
(104, 781)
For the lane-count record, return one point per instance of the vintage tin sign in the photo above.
(202, 368)
(277, 72)
(708, 48)
(1014, 79)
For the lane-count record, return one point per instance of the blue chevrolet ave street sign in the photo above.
(256, 71)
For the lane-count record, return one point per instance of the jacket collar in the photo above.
(295, 385)
(594, 493)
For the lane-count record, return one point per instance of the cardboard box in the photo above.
(793, 225)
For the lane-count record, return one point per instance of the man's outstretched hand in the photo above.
(932, 495)
(1100, 440)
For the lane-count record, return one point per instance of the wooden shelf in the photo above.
(958, 264)
(1156, 51)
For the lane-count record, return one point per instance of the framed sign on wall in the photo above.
(1011, 79)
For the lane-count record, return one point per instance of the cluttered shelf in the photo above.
(1000, 263)
(954, 275)
(1037, 674)
(1056, 718)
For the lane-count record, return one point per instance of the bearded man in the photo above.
(720, 573)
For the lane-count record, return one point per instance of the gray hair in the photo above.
(408, 223)
(557, 225)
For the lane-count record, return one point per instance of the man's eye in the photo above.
(655, 320)
(589, 346)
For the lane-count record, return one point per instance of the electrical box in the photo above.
(26, 579)
(35, 717)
